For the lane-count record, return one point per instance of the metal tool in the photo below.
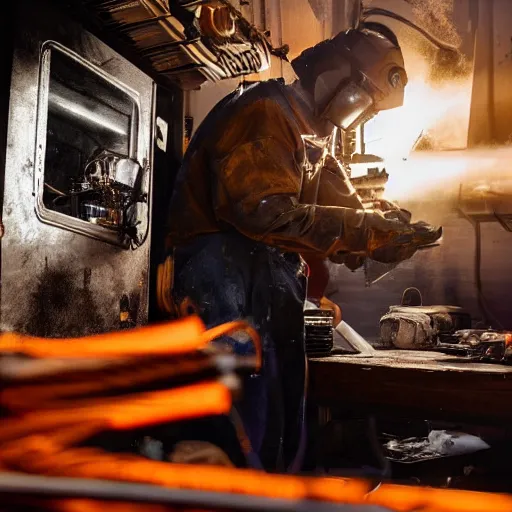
(421, 327)
(319, 332)
(481, 345)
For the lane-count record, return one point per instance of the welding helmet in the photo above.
(353, 76)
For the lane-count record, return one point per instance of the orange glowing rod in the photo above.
(181, 336)
(122, 413)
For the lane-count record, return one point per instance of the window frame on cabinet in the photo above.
(43, 213)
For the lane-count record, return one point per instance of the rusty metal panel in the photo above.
(58, 282)
(502, 71)
(482, 122)
(491, 104)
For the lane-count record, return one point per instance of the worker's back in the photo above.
(263, 110)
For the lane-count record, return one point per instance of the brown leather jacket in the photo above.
(244, 170)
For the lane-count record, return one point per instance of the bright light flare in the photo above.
(437, 176)
(440, 110)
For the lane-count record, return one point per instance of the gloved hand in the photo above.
(381, 229)
(367, 230)
(371, 234)
(403, 246)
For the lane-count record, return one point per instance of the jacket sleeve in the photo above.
(258, 185)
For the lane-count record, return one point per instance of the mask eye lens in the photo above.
(395, 78)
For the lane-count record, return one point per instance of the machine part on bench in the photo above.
(412, 297)
(319, 335)
(481, 345)
(421, 327)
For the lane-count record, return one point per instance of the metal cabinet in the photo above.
(77, 182)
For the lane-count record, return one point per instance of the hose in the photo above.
(230, 328)
(57, 488)
(377, 11)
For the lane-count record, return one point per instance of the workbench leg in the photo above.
(350, 445)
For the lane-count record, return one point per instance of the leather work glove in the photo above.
(383, 238)
(393, 211)
(366, 230)
(403, 246)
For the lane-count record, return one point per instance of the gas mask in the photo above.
(352, 77)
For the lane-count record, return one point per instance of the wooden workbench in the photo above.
(410, 384)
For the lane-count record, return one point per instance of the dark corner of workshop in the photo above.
(255, 255)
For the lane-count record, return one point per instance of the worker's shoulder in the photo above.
(268, 95)
(255, 110)
(265, 88)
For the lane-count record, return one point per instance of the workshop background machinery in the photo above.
(138, 48)
(456, 188)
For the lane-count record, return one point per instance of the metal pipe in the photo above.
(377, 11)
(87, 110)
(59, 487)
(482, 112)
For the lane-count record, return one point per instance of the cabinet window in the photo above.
(89, 179)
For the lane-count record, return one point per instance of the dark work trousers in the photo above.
(230, 277)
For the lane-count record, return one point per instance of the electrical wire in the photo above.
(188, 334)
(245, 444)
(55, 190)
(94, 161)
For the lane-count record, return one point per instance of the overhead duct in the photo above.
(185, 41)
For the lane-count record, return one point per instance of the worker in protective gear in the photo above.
(258, 187)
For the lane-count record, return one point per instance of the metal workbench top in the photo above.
(414, 359)
(416, 384)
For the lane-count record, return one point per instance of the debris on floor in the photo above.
(439, 443)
